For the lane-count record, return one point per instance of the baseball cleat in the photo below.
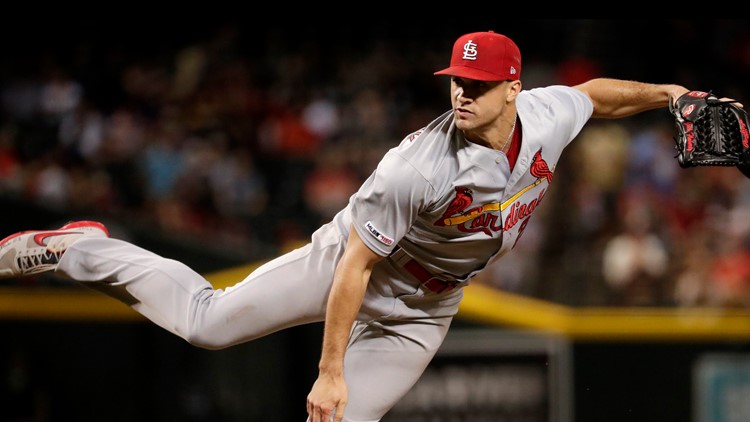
(32, 252)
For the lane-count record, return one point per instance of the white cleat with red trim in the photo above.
(36, 251)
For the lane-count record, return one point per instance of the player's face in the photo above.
(477, 105)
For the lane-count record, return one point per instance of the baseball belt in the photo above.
(429, 281)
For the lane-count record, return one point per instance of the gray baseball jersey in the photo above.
(454, 205)
(438, 207)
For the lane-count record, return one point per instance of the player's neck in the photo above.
(498, 138)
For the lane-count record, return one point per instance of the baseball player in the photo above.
(386, 274)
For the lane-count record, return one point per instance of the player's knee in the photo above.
(206, 336)
(207, 342)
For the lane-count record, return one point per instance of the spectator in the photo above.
(635, 260)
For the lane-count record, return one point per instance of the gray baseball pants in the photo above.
(398, 330)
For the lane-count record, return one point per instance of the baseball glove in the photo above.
(711, 131)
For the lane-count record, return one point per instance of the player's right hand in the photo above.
(327, 399)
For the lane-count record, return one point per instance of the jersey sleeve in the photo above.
(567, 109)
(578, 104)
(388, 203)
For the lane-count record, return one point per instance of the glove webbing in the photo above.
(717, 135)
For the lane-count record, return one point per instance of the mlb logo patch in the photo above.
(378, 235)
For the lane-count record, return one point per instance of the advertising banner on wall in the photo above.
(493, 376)
(722, 387)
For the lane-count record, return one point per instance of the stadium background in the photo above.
(222, 142)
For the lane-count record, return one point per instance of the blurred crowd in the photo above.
(252, 139)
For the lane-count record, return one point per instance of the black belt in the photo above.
(430, 281)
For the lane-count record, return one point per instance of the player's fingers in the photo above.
(320, 414)
(328, 414)
(310, 412)
(338, 416)
(313, 413)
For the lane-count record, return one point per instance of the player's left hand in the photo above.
(327, 399)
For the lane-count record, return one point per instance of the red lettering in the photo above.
(485, 223)
(532, 205)
(690, 135)
(494, 226)
(489, 223)
(523, 211)
(520, 211)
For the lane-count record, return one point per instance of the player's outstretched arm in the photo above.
(329, 392)
(616, 98)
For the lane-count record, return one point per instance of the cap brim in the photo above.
(470, 73)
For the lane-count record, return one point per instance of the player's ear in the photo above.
(514, 88)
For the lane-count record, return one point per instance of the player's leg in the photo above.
(384, 360)
(287, 291)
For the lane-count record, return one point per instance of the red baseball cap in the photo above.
(484, 56)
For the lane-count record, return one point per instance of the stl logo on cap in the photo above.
(470, 50)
